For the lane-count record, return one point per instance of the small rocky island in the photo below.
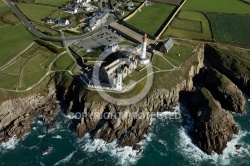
(213, 93)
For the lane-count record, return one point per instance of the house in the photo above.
(97, 19)
(49, 20)
(70, 10)
(62, 22)
(165, 47)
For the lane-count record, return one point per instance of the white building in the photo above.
(62, 22)
(111, 47)
(97, 19)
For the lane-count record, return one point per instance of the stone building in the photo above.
(122, 65)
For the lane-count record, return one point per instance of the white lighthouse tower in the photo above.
(119, 80)
(143, 59)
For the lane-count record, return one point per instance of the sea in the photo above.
(166, 144)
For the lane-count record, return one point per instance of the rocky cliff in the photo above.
(231, 62)
(17, 115)
(225, 91)
(127, 124)
(213, 126)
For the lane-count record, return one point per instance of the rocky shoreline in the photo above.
(213, 128)
(17, 115)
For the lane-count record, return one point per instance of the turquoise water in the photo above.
(167, 144)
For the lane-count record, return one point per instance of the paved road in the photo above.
(37, 33)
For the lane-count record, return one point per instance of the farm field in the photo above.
(190, 25)
(220, 6)
(36, 12)
(28, 69)
(230, 28)
(20, 40)
(64, 62)
(173, 2)
(52, 2)
(156, 15)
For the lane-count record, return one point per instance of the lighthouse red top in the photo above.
(144, 38)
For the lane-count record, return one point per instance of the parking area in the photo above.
(99, 40)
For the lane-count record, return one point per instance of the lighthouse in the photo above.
(143, 59)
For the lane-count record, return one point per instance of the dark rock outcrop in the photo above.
(222, 60)
(213, 126)
(224, 90)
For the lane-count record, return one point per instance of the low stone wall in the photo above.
(137, 30)
(172, 18)
(132, 14)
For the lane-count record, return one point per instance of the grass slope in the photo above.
(16, 36)
(36, 12)
(64, 62)
(52, 2)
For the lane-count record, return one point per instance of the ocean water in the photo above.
(166, 144)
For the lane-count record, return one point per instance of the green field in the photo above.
(160, 63)
(185, 51)
(16, 67)
(11, 45)
(151, 18)
(28, 69)
(60, 14)
(9, 18)
(64, 62)
(187, 25)
(230, 28)
(46, 30)
(36, 12)
(220, 6)
(53, 2)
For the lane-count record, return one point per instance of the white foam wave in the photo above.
(57, 137)
(166, 115)
(41, 136)
(65, 160)
(125, 155)
(10, 144)
(229, 153)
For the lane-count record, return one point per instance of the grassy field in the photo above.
(64, 62)
(161, 63)
(156, 15)
(10, 18)
(187, 25)
(52, 2)
(183, 50)
(46, 30)
(230, 28)
(36, 12)
(60, 14)
(20, 41)
(28, 69)
(220, 6)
